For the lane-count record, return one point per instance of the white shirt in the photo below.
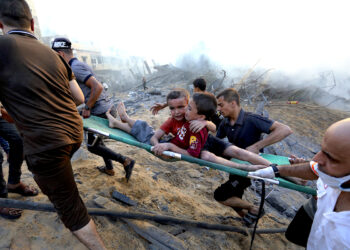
(330, 230)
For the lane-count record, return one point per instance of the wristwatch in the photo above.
(275, 170)
(86, 107)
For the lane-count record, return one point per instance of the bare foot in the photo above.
(121, 111)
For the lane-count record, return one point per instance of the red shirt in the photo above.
(192, 142)
(172, 126)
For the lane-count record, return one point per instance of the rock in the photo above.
(123, 198)
(153, 234)
(194, 173)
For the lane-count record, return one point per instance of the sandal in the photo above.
(249, 219)
(24, 190)
(104, 170)
(10, 213)
(128, 169)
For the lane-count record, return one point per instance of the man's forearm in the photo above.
(279, 131)
(95, 94)
(301, 170)
(245, 155)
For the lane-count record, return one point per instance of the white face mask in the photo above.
(335, 182)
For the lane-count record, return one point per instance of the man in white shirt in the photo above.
(331, 225)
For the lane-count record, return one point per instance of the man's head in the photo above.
(228, 101)
(15, 14)
(199, 85)
(64, 47)
(177, 101)
(202, 106)
(334, 157)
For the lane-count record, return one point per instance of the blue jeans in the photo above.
(9, 132)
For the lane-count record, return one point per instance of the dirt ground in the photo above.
(178, 189)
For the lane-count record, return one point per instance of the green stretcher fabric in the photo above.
(101, 125)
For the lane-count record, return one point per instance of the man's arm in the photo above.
(77, 94)
(157, 135)
(96, 90)
(300, 170)
(245, 155)
(278, 132)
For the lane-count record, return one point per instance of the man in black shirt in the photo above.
(243, 129)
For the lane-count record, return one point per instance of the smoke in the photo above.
(304, 44)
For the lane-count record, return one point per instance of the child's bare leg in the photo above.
(114, 123)
(124, 116)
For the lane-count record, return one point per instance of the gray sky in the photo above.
(292, 36)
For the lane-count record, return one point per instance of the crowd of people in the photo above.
(41, 87)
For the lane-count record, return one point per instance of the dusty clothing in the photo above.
(34, 89)
(57, 182)
(192, 142)
(171, 126)
(83, 72)
(142, 131)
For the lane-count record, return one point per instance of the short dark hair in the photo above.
(66, 51)
(229, 95)
(206, 104)
(15, 13)
(200, 83)
(178, 93)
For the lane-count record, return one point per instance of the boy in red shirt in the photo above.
(201, 107)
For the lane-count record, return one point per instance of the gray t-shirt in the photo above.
(82, 73)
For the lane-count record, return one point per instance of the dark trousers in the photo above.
(299, 229)
(53, 173)
(99, 148)
(9, 132)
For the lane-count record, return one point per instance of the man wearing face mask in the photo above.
(331, 225)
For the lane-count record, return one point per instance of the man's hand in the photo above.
(86, 113)
(157, 107)
(294, 160)
(197, 125)
(160, 148)
(264, 173)
(253, 149)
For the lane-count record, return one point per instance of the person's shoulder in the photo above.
(75, 62)
(6, 40)
(254, 116)
(224, 123)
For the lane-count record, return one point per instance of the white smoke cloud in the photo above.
(300, 38)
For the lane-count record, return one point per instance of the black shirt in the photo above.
(246, 131)
(217, 118)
